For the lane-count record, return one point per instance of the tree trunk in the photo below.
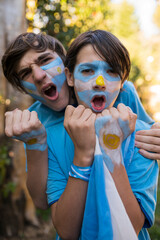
(18, 205)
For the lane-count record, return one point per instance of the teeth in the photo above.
(47, 88)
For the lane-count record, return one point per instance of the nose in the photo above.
(100, 84)
(38, 73)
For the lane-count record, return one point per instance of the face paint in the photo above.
(35, 140)
(111, 132)
(111, 141)
(55, 72)
(99, 74)
(32, 91)
(88, 71)
(110, 137)
(97, 101)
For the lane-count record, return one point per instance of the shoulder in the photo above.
(34, 106)
(129, 86)
(127, 95)
(47, 116)
(141, 125)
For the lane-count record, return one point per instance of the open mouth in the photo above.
(98, 103)
(50, 92)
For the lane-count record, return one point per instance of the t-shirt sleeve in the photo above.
(143, 178)
(56, 181)
(129, 97)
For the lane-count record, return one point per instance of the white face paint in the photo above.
(96, 85)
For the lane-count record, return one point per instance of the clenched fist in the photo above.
(25, 126)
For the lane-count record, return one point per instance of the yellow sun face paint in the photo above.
(32, 141)
(30, 91)
(100, 81)
(59, 70)
(111, 141)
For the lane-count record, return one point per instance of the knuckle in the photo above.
(124, 117)
(81, 106)
(8, 133)
(7, 114)
(26, 128)
(69, 107)
(156, 125)
(36, 124)
(16, 130)
(17, 110)
(88, 110)
(120, 105)
(34, 113)
(26, 111)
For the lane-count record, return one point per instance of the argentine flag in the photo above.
(105, 217)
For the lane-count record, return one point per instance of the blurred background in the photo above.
(135, 23)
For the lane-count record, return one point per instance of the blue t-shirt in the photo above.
(47, 116)
(129, 97)
(142, 173)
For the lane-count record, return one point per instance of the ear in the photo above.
(70, 78)
(122, 84)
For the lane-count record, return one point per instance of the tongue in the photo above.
(51, 92)
(98, 102)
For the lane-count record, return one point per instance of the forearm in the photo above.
(67, 215)
(37, 171)
(129, 200)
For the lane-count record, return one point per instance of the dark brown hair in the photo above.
(23, 43)
(107, 46)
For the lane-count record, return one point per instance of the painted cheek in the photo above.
(55, 71)
(32, 91)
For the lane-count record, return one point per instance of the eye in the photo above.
(87, 72)
(46, 60)
(25, 75)
(112, 73)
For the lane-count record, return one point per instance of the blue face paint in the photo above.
(57, 75)
(35, 140)
(124, 125)
(32, 91)
(99, 74)
(88, 95)
(55, 71)
(95, 68)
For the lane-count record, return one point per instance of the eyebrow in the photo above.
(22, 71)
(87, 64)
(42, 56)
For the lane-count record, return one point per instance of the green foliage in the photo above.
(67, 19)
(124, 22)
(45, 215)
(6, 187)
